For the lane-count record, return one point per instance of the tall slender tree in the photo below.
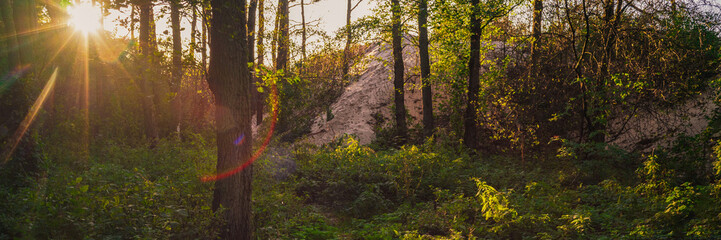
(537, 18)
(193, 34)
(258, 98)
(428, 124)
(253, 6)
(348, 39)
(283, 37)
(9, 34)
(229, 80)
(470, 135)
(177, 69)
(304, 36)
(204, 40)
(26, 18)
(147, 51)
(398, 71)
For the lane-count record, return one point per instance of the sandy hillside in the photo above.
(371, 95)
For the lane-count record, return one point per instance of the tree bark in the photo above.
(274, 39)
(204, 41)
(177, 71)
(132, 22)
(146, 50)
(253, 6)
(4, 66)
(258, 98)
(229, 80)
(428, 124)
(537, 18)
(346, 50)
(10, 35)
(193, 35)
(470, 136)
(283, 37)
(597, 125)
(398, 71)
(303, 34)
(25, 21)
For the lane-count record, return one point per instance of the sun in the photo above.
(84, 17)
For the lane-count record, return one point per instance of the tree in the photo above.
(398, 71)
(193, 34)
(146, 87)
(253, 6)
(537, 18)
(470, 136)
(281, 62)
(258, 98)
(428, 124)
(10, 35)
(25, 14)
(229, 80)
(177, 69)
(348, 39)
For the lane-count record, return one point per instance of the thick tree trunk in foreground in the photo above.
(470, 136)
(398, 68)
(428, 123)
(229, 80)
(150, 122)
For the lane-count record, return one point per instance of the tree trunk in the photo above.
(193, 35)
(4, 68)
(470, 136)
(537, 18)
(253, 6)
(398, 70)
(10, 36)
(177, 72)
(283, 37)
(597, 127)
(346, 50)
(229, 80)
(251, 30)
(9, 104)
(132, 22)
(146, 50)
(428, 124)
(303, 34)
(25, 22)
(258, 98)
(274, 39)
(204, 41)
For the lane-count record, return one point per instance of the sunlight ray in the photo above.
(34, 31)
(30, 117)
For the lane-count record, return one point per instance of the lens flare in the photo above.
(85, 17)
(219, 176)
(30, 117)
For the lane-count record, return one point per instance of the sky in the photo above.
(329, 13)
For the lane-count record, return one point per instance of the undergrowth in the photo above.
(343, 190)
